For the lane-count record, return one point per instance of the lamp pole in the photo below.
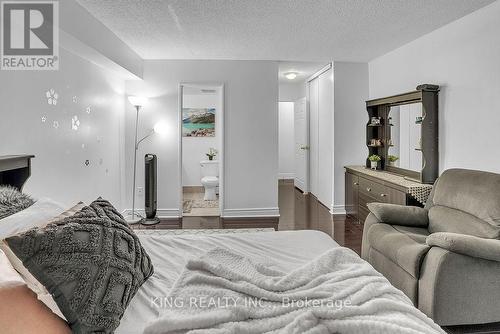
(136, 218)
(136, 146)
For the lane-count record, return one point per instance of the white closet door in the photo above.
(325, 138)
(314, 135)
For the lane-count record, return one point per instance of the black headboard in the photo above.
(15, 170)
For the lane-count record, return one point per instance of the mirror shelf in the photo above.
(402, 130)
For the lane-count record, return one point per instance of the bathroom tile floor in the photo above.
(195, 206)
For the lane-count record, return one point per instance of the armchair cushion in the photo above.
(488, 249)
(400, 246)
(444, 219)
(394, 214)
(473, 192)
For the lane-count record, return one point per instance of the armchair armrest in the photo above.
(394, 214)
(488, 249)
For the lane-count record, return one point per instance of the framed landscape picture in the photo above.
(198, 122)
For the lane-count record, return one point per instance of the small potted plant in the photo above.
(374, 159)
(212, 152)
(392, 160)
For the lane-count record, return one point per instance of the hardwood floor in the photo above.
(298, 212)
(305, 212)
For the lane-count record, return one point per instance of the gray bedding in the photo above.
(13, 201)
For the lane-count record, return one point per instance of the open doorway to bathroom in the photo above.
(201, 149)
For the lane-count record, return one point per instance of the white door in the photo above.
(314, 143)
(320, 103)
(301, 129)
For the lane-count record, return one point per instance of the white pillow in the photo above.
(36, 215)
(8, 275)
(17, 264)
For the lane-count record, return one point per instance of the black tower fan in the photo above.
(150, 162)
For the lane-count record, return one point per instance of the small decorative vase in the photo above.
(392, 163)
(210, 157)
(374, 165)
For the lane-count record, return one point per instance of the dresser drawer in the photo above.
(365, 199)
(374, 190)
(396, 196)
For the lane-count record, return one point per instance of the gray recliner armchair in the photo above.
(446, 256)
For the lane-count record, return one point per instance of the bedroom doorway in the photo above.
(201, 148)
(301, 137)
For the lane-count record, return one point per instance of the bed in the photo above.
(275, 253)
(170, 253)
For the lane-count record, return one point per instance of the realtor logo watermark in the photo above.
(30, 35)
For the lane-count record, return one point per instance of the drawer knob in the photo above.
(368, 189)
(383, 195)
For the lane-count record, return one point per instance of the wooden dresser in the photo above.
(363, 186)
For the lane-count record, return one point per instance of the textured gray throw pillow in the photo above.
(92, 263)
(13, 201)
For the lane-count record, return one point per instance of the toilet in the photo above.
(210, 178)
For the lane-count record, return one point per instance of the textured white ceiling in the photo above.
(307, 30)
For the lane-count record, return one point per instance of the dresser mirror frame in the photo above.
(381, 107)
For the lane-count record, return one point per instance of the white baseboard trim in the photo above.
(286, 176)
(337, 210)
(160, 213)
(253, 212)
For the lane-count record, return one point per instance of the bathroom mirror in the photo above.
(404, 137)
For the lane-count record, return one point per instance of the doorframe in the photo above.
(220, 141)
(318, 73)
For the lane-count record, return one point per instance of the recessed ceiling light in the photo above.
(291, 75)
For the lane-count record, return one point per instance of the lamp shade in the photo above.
(138, 101)
(161, 128)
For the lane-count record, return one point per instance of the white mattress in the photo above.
(169, 254)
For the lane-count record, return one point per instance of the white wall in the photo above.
(194, 149)
(291, 91)
(27, 127)
(251, 136)
(351, 92)
(463, 58)
(286, 141)
(325, 138)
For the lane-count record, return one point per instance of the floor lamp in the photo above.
(138, 102)
(161, 128)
